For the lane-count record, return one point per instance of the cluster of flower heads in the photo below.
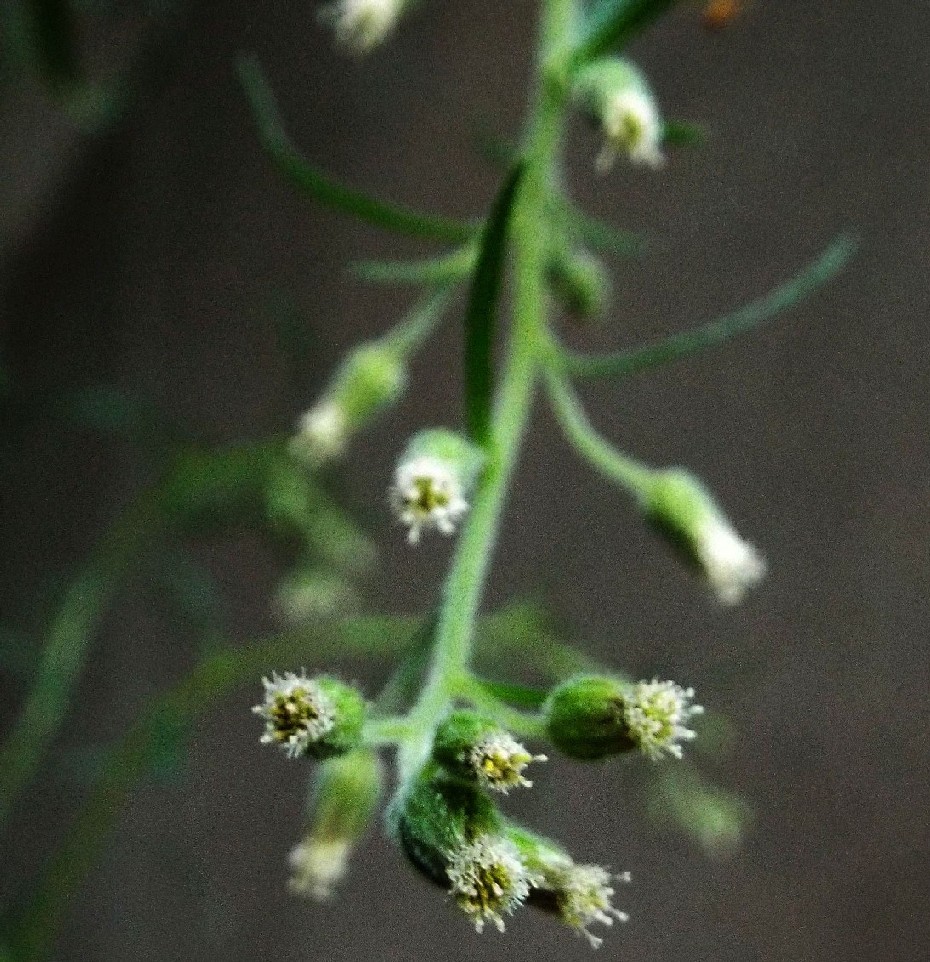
(443, 816)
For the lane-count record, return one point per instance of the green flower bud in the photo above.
(320, 717)
(579, 283)
(372, 377)
(477, 749)
(436, 472)
(685, 512)
(434, 814)
(453, 834)
(594, 717)
(345, 798)
(585, 718)
(617, 95)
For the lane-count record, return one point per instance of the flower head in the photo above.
(488, 879)
(657, 714)
(731, 565)
(297, 712)
(361, 25)
(585, 895)
(632, 127)
(688, 515)
(322, 433)
(499, 761)
(427, 493)
(317, 866)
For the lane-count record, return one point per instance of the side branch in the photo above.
(314, 183)
(624, 363)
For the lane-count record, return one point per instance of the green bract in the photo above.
(585, 718)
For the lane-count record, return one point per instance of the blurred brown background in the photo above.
(155, 255)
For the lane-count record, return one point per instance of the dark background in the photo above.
(151, 256)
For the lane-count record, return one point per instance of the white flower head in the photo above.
(730, 564)
(585, 896)
(499, 761)
(322, 433)
(361, 25)
(632, 127)
(657, 714)
(427, 493)
(297, 712)
(489, 880)
(318, 866)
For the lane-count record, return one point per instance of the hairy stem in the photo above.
(466, 579)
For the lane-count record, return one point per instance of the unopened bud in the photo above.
(579, 282)
(686, 513)
(617, 95)
(345, 799)
(372, 377)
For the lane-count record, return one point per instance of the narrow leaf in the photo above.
(520, 696)
(604, 237)
(481, 316)
(612, 24)
(314, 183)
(431, 271)
(679, 346)
(682, 133)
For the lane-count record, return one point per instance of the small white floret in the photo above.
(731, 565)
(427, 493)
(361, 25)
(657, 714)
(499, 761)
(489, 880)
(585, 897)
(322, 433)
(297, 712)
(632, 127)
(318, 866)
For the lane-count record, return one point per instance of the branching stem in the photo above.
(465, 582)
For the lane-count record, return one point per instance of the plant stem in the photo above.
(465, 582)
(629, 473)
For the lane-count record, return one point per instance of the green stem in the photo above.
(626, 471)
(465, 581)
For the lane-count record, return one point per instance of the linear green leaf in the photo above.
(520, 696)
(314, 183)
(604, 237)
(683, 133)
(679, 346)
(481, 315)
(612, 23)
(430, 271)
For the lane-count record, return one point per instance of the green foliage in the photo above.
(481, 316)
(324, 189)
(802, 285)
